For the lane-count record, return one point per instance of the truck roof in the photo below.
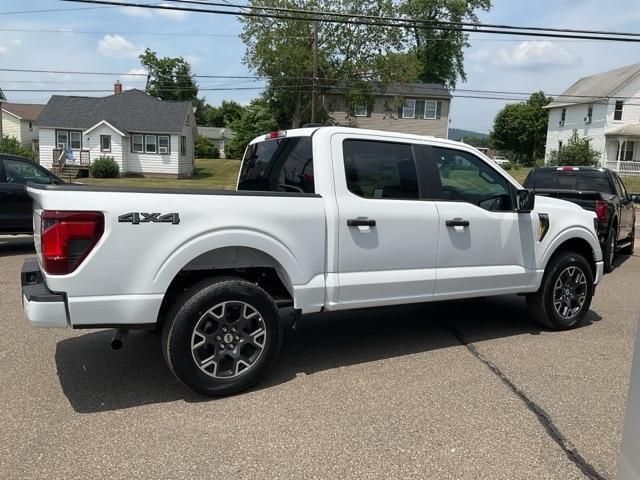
(309, 131)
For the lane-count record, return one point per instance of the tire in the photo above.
(548, 307)
(628, 250)
(221, 336)
(609, 250)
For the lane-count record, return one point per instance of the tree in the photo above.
(578, 151)
(12, 146)
(256, 119)
(224, 115)
(170, 78)
(345, 58)
(205, 148)
(521, 128)
(441, 51)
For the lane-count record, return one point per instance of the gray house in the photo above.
(418, 108)
(216, 135)
(142, 133)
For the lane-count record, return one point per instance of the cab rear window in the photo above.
(582, 180)
(278, 165)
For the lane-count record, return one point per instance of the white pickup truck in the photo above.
(327, 218)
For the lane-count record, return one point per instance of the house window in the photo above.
(625, 153)
(430, 109)
(75, 139)
(137, 143)
(105, 143)
(589, 114)
(183, 145)
(31, 126)
(409, 109)
(163, 144)
(559, 144)
(62, 139)
(617, 114)
(150, 142)
(360, 110)
(563, 116)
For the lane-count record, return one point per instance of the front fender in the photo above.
(569, 234)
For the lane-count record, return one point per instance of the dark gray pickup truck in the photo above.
(596, 189)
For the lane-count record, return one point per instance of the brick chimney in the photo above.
(117, 87)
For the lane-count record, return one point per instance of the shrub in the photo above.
(205, 148)
(578, 151)
(104, 167)
(507, 166)
(12, 146)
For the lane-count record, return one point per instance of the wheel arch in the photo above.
(579, 241)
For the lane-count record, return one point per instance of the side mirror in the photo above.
(635, 197)
(526, 200)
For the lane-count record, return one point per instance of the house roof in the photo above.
(129, 111)
(631, 130)
(596, 87)
(417, 90)
(215, 133)
(24, 111)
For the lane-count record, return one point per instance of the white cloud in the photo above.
(176, 15)
(136, 11)
(3, 50)
(536, 54)
(193, 59)
(117, 46)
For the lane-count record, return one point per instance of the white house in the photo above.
(142, 133)
(17, 122)
(606, 109)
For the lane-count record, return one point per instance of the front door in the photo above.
(627, 210)
(485, 246)
(387, 235)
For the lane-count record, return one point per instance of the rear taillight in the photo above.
(601, 211)
(67, 237)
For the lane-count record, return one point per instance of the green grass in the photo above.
(210, 173)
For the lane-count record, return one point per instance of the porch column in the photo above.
(620, 142)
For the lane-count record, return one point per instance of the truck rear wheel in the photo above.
(221, 336)
(565, 294)
(609, 250)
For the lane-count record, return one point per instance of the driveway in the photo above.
(455, 390)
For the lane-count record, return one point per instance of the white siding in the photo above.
(186, 162)
(91, 142)
(47, 144)
(11, 126)
(575, 120)
(151, 162)
(28, 135)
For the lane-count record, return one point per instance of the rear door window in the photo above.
(278, 165)
(21, 173)
(380, 169)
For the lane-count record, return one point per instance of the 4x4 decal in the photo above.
(137, 218)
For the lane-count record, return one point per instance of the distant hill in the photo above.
(457, 134)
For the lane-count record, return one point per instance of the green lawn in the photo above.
(210, 173)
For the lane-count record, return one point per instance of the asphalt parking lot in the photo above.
(456, 390)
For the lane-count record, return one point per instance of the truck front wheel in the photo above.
(221, 336)
(565, 294)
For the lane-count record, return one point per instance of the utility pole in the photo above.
(315, 73)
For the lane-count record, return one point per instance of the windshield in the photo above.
(278, 165)
(583, 180)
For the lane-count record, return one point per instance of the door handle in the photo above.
(457, 222)
(361, 222)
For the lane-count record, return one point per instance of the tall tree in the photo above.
(522, 128)
(170, 78)
(256, 118)
(291, 52)
(441, 50)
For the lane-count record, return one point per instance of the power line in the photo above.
(427, 21)
(53, 10)
(355, 19)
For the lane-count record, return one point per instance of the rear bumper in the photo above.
(42, 307)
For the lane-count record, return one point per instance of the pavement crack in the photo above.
(543, 417)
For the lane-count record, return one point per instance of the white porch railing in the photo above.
(631, 168)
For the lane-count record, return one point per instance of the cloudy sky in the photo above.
(109, 39)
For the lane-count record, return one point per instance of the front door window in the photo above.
(625, 152)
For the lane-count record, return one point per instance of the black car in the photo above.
(600, 190)
(15, 204)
